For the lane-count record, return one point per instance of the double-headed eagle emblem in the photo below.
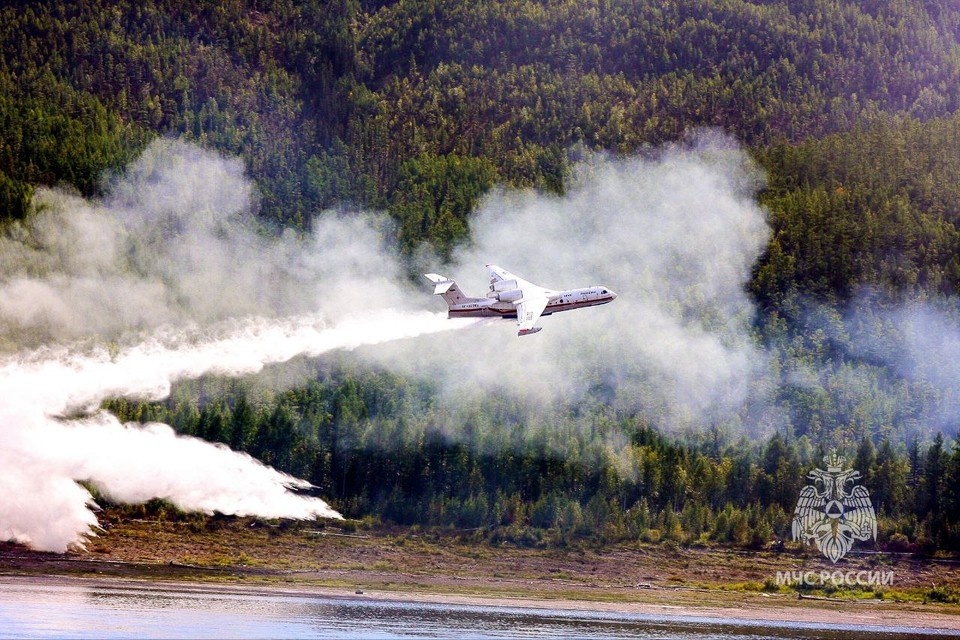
(834, 511)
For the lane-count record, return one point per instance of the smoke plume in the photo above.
(171, 273)
(175, 242)
(674, 234)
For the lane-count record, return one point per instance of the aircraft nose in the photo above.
(613, 295)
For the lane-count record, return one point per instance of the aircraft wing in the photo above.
(498, 274)
(531, 302)
(528, 312)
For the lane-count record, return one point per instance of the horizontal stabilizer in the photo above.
(441, 283)
(527, 332)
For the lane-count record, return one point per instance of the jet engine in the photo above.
(505, 291)
(503, 285)
(510, 296)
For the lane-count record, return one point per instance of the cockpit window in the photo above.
(603, 291)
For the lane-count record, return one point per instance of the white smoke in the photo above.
(161, 269)
(176, 241)
(171, 273)
(674, 234)
(906, 352)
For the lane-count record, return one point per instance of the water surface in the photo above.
(40, 609)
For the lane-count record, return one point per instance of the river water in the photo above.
(32, 608)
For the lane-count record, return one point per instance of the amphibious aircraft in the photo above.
(513, 297)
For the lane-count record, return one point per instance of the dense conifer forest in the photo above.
(419, 108)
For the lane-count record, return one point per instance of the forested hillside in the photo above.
(419, 108)
(334, 103)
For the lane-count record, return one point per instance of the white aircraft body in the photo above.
(513, 297)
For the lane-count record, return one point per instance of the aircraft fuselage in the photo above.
(564, 301)
(513, 297)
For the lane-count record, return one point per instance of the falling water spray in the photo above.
(45, 452)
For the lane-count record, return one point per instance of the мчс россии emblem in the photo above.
(834, 511)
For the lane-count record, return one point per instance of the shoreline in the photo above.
(390, 565)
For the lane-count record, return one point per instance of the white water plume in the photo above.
(44, 453)
(170, 266)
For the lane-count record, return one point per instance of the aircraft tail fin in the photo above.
(443, 286)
